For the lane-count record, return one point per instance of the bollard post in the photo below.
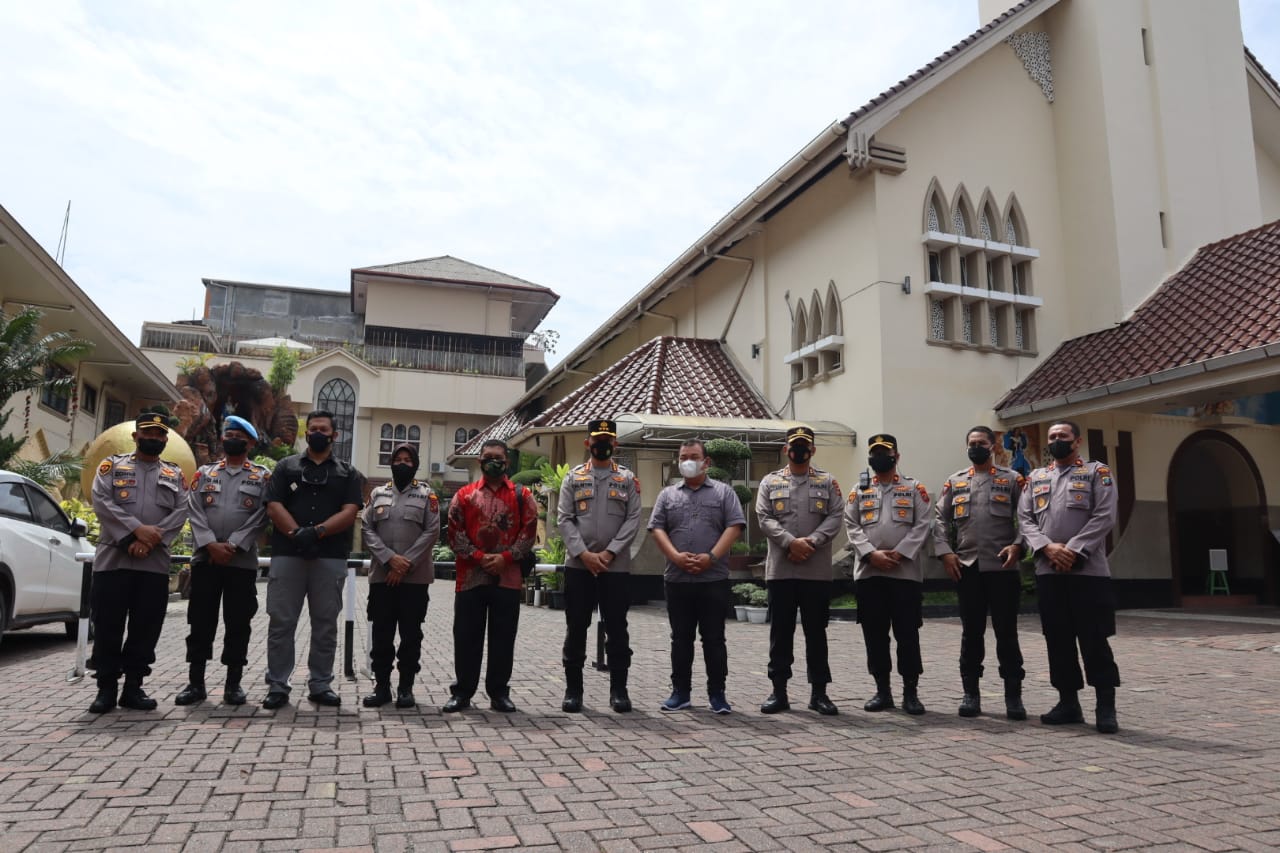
(602, 663)
(79, 670)
(349, 650)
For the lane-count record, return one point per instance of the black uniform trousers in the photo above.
(1078, 610)
(472, 609)
(997, 593)
(583, 593)
(813, 600)
(698, 608)
(401, 607)
(132, 600)
(236, 590)
(885, 603)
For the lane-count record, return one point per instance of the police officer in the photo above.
(975, 533)
(312, 502)
(599, 516)
(399, 527)
(141, 504)
(1065, 515)
(799, 508)
(227, 515)
(888, 520)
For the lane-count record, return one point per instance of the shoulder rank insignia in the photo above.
(923, 492)
(105, 467)
(636, 480)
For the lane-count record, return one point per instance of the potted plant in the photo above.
(553, 586)
(739, 558)
(741, 598)
(758, 606)
(843, 608)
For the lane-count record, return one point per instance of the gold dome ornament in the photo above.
(119, 439)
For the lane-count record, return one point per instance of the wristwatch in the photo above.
(319, 531)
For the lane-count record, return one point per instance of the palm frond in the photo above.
(63, 466)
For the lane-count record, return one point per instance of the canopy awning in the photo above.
(272, 343)
(670, 429)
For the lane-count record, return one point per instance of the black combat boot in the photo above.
(572, 703)
(106, 698)
(819, 701)
(777, 701)
(381, 694)
(971, 704)
(404, 693)
(619, 701)
(883, 700)
(232, 692)
(133, 696)
(1013, 708)
(194, 691)
(910, 698)
(1106, 711)
(1067, 710)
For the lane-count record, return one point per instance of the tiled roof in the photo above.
(666, 376)
(1225, 300)
(449, 268)
(931, 67)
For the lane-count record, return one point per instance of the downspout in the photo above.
(746, 279)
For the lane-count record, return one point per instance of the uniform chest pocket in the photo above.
(869, 508)
(960, 505)
(618, 498)
(1080, 494)
(169, 493)
(779, 499)
(1001, 503)
(819, 500)
(584, 493)
(125, 490)
(904, 506)
(381, 508)
(415, 507)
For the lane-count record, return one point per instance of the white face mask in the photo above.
(690, 468)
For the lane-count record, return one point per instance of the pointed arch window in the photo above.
(459, 438)
(817, 341)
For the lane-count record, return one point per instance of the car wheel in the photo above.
(4, 613)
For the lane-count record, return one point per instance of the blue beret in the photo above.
(234, 422)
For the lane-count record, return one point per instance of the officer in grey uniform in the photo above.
(399, 527)
(141, 504)
(888, 520)
(599, 517)
(1065, 514)
(800, 509)
(975, 534)
(227, 516)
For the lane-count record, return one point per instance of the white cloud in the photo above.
(579, 145)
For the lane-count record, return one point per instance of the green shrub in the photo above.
(742, 592)
(526, 478)
(759, 598)
(442, 554)
(739, 548)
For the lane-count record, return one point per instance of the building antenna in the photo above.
(61, 254)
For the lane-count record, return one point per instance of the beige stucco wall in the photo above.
(1268, 185)
(416, 305)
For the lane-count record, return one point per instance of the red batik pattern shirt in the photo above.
(486, 519)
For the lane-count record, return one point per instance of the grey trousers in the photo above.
(289, 581)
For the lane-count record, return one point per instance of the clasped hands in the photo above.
(694, 564)
(145, 537)
(1062, 558)
(596, 562)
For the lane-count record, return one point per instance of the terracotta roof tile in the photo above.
(1225, 300)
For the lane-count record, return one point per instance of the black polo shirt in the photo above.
(312, 492)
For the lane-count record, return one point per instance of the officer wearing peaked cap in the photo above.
(888, 520)
(228, 514)
(599, 517)
(799, 508)
(141, 504)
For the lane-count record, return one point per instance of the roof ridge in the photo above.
(655, 392)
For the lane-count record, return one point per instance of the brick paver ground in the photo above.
(1196, 765)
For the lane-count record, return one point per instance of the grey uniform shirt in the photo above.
(226, 505)
(1074, 505)
(599, 510)
(402, 522)
(128, 493)
(792, 507)
(694, 520)
(976, 516)
(893, 516)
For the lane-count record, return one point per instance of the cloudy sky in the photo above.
(580, 145)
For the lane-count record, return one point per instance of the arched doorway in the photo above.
(1216, 499)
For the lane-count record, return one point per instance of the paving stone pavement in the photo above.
(1196, 765)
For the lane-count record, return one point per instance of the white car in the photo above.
(40, 579)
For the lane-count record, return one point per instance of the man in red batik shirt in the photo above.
(492, 525)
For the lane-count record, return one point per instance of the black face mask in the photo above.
(602, 450)
(881, 463)
(1060, 449)
(493, 468)
(979, 455)
(318, 441)
(402, 474)
(235, 446)
(799, 455)
(151, 446)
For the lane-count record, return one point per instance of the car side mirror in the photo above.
(79, 529)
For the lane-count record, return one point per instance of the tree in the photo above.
(284, 367)
(26, 353)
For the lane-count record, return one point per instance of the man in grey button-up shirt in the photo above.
(975, 533)
(598, 515)
(228, 514)
(141, 504)
(400, 527)
(1066, 512)
(694, 524)
(800, 510)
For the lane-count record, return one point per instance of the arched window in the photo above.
(815, 318)
(459, 438)
(385, 445)
(337, 396)
(472, 434)
(401, 433)
(832, 323)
